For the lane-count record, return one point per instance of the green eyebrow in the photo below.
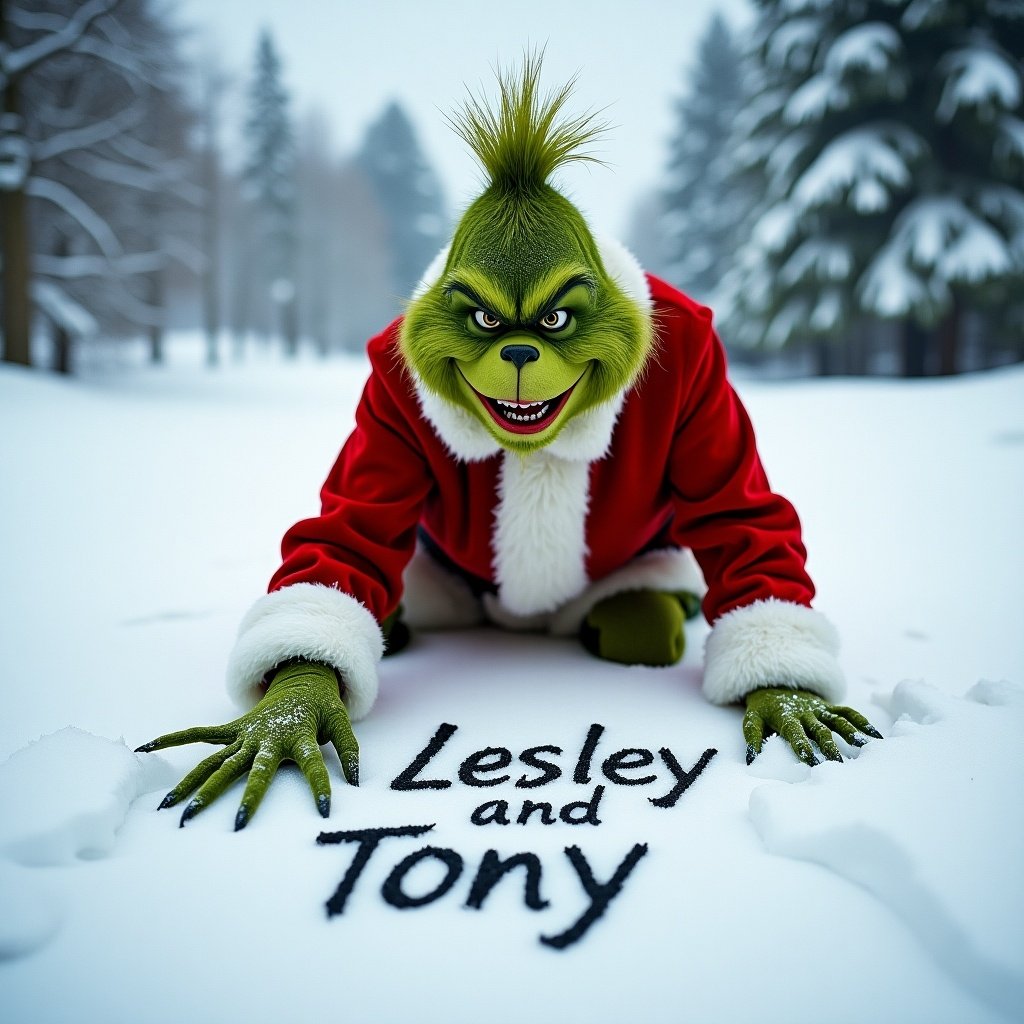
(478, 290)
(547, 294)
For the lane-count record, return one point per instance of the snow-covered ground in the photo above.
(140, 513)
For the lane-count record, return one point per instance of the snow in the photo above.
(874, 154)
(871, 47)
(141, 515)
(886, 825)
(978, 77)
(818, 96)
(819, 259)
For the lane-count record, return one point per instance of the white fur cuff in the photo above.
(308, 620)
(771, 643)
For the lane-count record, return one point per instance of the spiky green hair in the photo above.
(520, 245)
(525, 138)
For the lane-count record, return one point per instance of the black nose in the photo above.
(520, 354)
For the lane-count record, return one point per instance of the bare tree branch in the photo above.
(121, 59)
(91, 134)
(86, 217)
(17, 62)
(72, 267)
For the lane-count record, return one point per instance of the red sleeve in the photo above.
(746, 538)
(370, 506)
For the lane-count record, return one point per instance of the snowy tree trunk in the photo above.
(156, 328)
(825, 359)
(949, 341)
(62, 350)
(211, 243)
(915, 349)
(14, 246)
(213, 87)
(290, 327)
(857, 349)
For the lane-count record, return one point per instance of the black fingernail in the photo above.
(190, 812)
(811, 760)
(324, 803)
(872, 732)
(858, 741)
(353, 773)
(168, 801)
(836, 756)
(146, 748)
(241, 818)
(751, 753)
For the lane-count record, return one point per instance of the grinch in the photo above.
(547, 441)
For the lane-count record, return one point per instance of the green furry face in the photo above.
(524, 329)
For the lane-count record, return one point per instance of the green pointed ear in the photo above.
(525, 329)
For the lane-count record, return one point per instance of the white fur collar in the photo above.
(588, 436)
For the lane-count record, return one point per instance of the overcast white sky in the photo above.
(350, 58)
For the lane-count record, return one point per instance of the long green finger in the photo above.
(792, 732)
(200, 734)
(345, 743)
(845, 729)
(753, 733)
(860, 721)
(198, 776)
(307, 756)
(234, 767)
(264, 767)
(821, 735)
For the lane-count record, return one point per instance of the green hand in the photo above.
(301, 709)
(800, 716)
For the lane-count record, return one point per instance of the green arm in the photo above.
(801, 717)
(301, 709)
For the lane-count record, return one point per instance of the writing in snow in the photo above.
(492, 766)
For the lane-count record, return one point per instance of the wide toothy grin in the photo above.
(522, 412)
(519, 417)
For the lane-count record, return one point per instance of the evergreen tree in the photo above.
(706, 202)
(408, 194)
(889, 138)
(270, 190)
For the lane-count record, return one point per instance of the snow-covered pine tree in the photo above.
(268, 278)
(705, 202)
(890, 141)
(408, 193)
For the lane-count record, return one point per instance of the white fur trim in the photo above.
(308, 620)
(434, 598)
(771, 643)
(433, 273)
(462, 433)
(538, 538)
(625, 270)
(588, 436)
(669, 569)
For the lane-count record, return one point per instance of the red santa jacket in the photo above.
(671, 464)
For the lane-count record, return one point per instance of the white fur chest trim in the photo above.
(539, 535)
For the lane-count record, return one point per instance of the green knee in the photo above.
(636, 627)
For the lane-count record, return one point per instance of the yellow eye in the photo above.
(485, 320)
(555, 320)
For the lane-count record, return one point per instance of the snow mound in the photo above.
(893, 820)
(32, 912)
(64, 796)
